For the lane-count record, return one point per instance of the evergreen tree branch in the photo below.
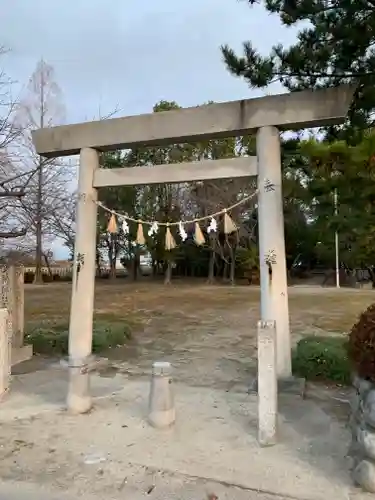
(336, 48)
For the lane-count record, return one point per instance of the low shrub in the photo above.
(322, 358)
(54, 339)
(28, 277)
(361, 345)
(66, 277)
(47, 278)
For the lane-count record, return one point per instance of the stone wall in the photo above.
(362, 449)
(12, 299)
(5, 358)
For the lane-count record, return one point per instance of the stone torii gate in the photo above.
(265, 115)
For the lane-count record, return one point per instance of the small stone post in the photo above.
(4, 353)
(161, 404)
(267, 383)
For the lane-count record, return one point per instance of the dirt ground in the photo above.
(328, 309)
(207, 332)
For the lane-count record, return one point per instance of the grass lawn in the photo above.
(208, 333)
(322, 309)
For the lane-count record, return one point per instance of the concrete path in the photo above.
(26, 491)
(113, 453)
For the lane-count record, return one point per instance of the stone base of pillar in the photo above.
(21, 354)
(94, 363)
(267, 384)
(290, 385)
(79, 398)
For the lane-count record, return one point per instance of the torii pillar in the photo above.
(272, 258)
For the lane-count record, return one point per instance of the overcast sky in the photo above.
(133, 53)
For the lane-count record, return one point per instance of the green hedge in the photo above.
(322, 358)
(54, 339)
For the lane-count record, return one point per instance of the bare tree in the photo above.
(13, 180)
(62, 222)
(213, 196)
(42, 106)
(12, 190)
(8, 131)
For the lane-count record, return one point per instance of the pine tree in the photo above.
(336, 47)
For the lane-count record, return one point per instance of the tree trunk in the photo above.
(372, 275)
(225, 270)
(193, 269)
(47, 264)
(211, 268)
(112, 269)
(135, 266)
(38, 276)
(154, 269)
(112, 259)
(168, 273)
(232, 271)
(97, 260)
(134, 269)
(232, 268)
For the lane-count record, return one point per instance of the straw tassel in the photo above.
(112, 225)
(140, 236)
(198, 235)
(170, 242)
(229, 225)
